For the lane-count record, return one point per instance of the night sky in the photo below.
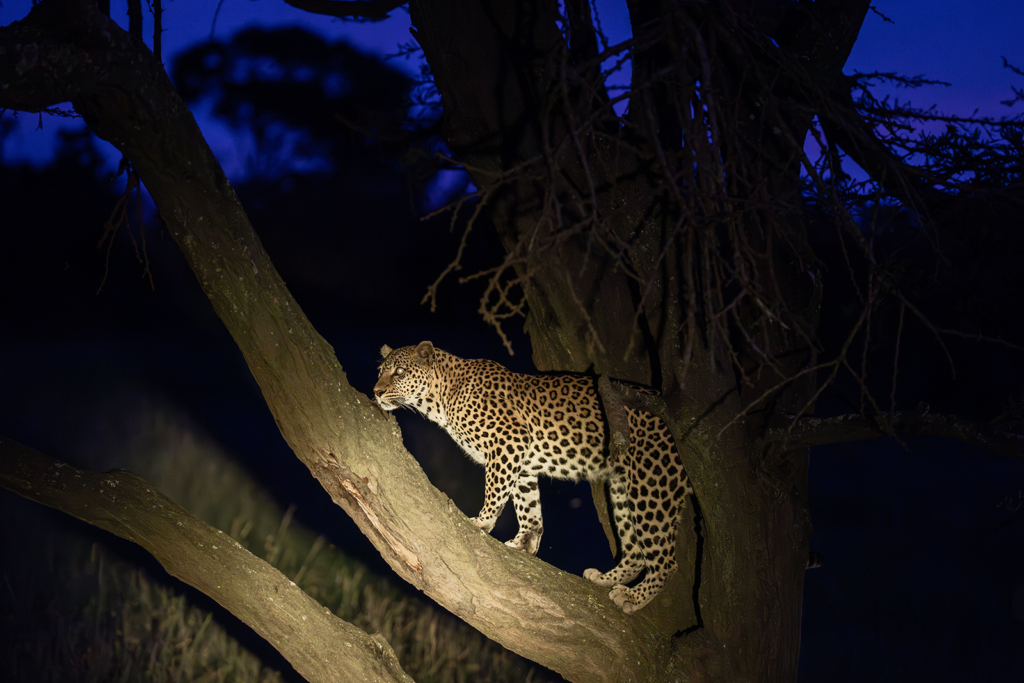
(961, 43)
(923, 544)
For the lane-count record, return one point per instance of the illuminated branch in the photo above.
(320, 646)
(66, 50)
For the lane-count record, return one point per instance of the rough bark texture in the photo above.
(319, 645)
(587, 314)
(68, 51)
(665, 247)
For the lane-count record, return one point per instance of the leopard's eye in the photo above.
(399, 370)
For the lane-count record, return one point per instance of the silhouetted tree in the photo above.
(689, 243)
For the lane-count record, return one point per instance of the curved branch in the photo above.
(318, 644)
(813, 431)
(374, 10)
(65, 50)
(845, 126)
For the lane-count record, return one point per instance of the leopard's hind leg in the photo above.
(631, 559)
(657, 493)
(658, 542)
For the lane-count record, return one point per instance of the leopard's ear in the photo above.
(385, 351)
(425, 352)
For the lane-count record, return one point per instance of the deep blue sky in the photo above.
(958, 42)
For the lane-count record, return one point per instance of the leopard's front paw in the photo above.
(597, 577)
(527, 541)
(484, 524)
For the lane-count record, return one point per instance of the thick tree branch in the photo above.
(319, 645)
(374, 10)
(814, 431)
(823, 34)
(66, 50)
(844, 126)
(500, 70)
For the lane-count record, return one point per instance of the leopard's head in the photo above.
(406, 377)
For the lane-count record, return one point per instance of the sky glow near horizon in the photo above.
(958, 42)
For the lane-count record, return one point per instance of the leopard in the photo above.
(520, 426)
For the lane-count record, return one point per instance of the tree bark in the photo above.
(612, 232)
(319, 645)
(814, 431)
(565, 204)
(66, 50)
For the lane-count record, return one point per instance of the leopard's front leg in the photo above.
(500, 472)
(526, 499)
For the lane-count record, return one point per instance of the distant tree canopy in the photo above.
(328, 140)
(307, 101)
(690, 242)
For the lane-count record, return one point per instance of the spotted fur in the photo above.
(519, 426)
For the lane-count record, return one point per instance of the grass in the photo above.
(78, 605)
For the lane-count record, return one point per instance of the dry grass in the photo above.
(76, 606)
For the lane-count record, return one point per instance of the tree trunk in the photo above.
(609, 236)
(628, 253)
(66, 50)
